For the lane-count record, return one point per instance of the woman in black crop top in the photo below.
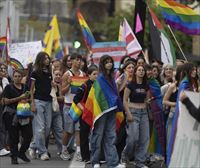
(135, 96)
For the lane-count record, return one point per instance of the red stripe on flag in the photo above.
(134, 54)
(176, 4)
(129, 38)
(155, 19)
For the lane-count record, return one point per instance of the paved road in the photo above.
(54, 162)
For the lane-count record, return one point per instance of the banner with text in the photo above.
(25, 53)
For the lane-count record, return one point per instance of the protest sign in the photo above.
(25, 53)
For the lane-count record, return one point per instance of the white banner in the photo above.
(186, 152)
(25, 53)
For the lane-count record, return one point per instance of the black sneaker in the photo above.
(70, 150)
(14, 160)
(24, 157)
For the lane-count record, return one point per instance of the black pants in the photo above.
(84, 139)
(121, 138)
(14, 133)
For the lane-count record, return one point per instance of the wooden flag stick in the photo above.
(177, 42)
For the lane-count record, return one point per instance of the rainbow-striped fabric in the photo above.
(77, 81)
(102, 98)
(15, 64)
(74, 112)
(2, 43)
(23, 110)
(87, 34)
(180, 17)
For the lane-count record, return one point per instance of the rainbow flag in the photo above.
(15, 64)
(77, 81)
(183, 85)
(157, 113)
(74, 112)
(87, 34)
(2, 43)
(154, 145)
(103, 98)
(180, 17)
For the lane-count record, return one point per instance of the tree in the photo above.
(109, 29)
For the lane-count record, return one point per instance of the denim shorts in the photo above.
(69, 125)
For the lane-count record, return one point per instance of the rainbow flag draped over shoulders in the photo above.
(158, 115)
(87, 34)
(183, 85)
(180, 17)
(2, 43)
(102, 98)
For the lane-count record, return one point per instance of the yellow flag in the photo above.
(51, 40)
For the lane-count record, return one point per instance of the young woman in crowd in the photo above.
(140, 61)
(104, 131)
(69, 91)
(169, 100)
(80, 99)
(167, 74)
(66, 63)
(125, 77)
(121, 64)
(57, 119)
(156, 73)
(12, 95)
(84, 67)
(135, 97)
(41, 105)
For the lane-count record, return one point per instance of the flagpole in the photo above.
(177, 42)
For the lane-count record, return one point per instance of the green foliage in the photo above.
(109, 28)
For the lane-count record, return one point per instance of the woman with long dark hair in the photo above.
(136, 95)
(104, 131)
(41, 80)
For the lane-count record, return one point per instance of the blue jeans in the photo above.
(41, 125)
(57, 127)
(137, 140)
(104, 133)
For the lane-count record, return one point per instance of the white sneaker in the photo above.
(32, 153)
(65, 155)
(44, 156)
(96, 166)
(120, 166)
(4, 152)
(78, 156)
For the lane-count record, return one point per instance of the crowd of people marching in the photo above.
(47, 82)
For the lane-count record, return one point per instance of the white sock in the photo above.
(78, 149)
(64, 148)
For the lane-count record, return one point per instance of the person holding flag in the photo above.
(101, 106)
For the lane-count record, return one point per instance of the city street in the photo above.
(54, 162)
